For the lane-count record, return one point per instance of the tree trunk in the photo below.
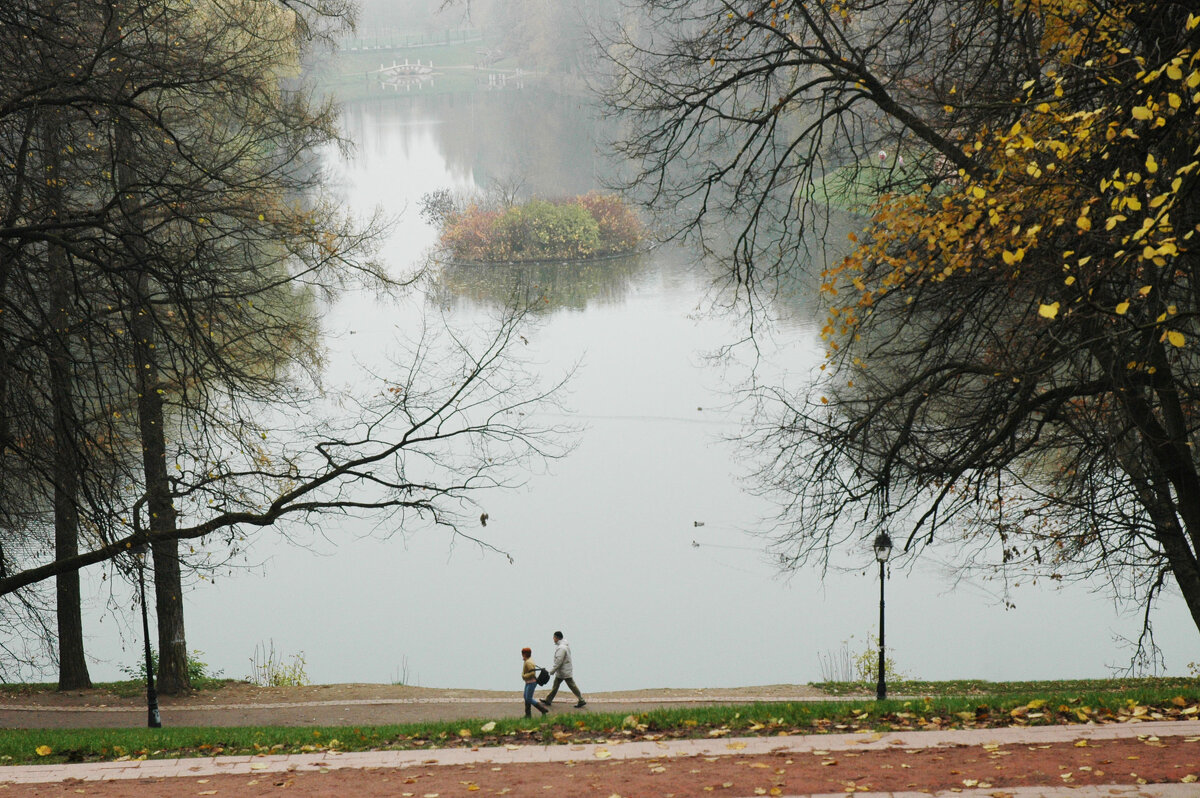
(168, 585)
(72, 664)
(173, 674)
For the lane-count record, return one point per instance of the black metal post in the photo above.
(153, 720)
(881, 687)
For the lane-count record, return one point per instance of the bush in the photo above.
(580, 228)
(470, 235)
(866, 664)
(540, 230)
(437, 207)
(620, 230)
(269, 669)
(197, 669)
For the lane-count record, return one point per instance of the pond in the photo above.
(640, 544)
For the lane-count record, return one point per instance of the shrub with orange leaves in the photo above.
(582, 227)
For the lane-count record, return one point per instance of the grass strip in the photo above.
(124, 689)
(982, 687)
(765, 719)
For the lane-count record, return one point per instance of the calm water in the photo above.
(605, 543)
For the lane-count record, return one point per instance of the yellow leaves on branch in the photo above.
(1044, 190)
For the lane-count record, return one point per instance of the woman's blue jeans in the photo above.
(529, 688)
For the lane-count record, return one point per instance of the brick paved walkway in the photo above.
(516, 755)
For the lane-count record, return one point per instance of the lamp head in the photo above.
(882, 546)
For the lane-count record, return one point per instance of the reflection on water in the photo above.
(641, 544)
(545, 287)
(491, 138)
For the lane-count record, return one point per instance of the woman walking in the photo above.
(529, 676)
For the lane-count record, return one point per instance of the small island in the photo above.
(580, 228)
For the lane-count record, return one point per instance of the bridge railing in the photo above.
(399, 39)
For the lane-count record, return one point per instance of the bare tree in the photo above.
(187, 247)
(997, 364)
(458, 417)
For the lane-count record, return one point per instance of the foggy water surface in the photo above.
(605, 543)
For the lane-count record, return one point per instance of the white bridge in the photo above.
(405, 75)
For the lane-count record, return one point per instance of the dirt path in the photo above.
(337, 705)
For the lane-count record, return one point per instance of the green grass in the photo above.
(1062, 702)
(973, 687)
(124, 689)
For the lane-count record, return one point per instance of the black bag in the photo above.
(543, 676)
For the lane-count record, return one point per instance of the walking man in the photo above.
(563, 671)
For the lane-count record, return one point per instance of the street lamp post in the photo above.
(153, 719)
(883, 550)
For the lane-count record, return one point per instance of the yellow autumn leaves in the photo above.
(1099, 193)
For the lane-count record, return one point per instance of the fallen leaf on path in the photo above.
(603, 753)
(1189, 778)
